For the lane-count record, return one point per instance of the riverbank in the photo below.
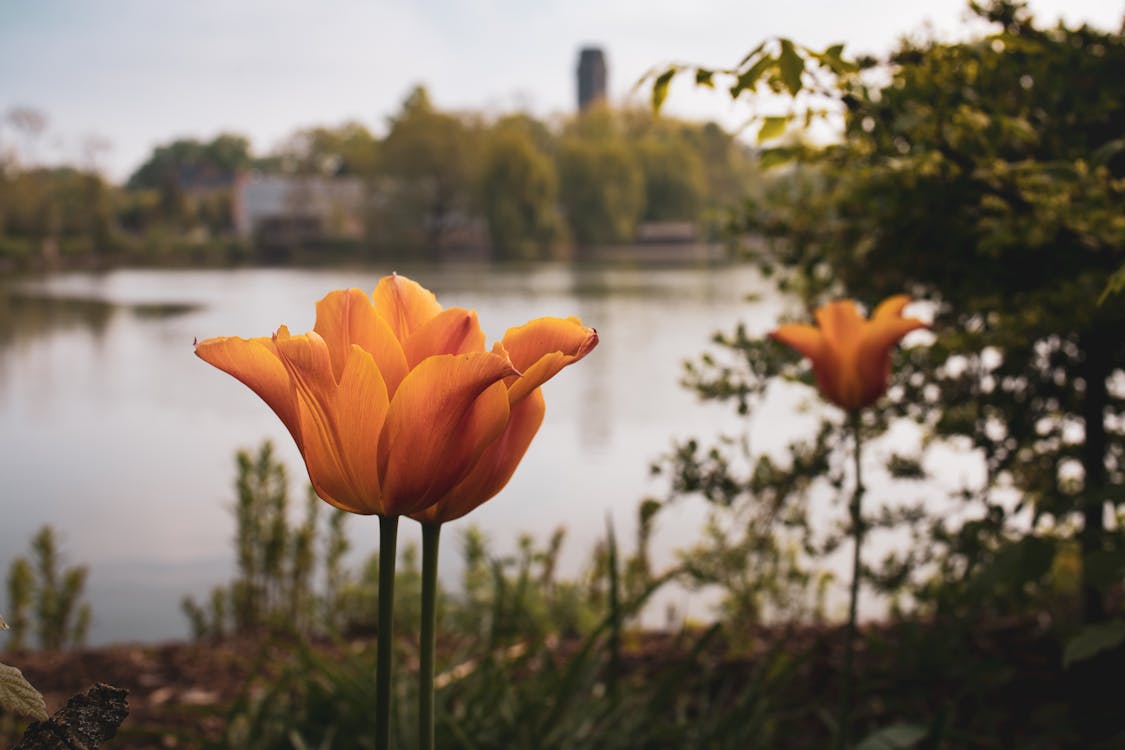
(234, 252)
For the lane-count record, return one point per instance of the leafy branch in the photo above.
(811, 79)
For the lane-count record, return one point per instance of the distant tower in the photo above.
(591, 77)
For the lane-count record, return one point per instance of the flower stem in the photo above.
(855, 509)
(388, 537)
(431, 534)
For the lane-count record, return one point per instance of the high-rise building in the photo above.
(591, 76)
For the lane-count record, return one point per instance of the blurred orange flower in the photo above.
(394, 402)
(851, 357)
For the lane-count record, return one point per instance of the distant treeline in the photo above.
(437, 181)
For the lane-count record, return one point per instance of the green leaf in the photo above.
(833, 58)
(895, 737)
(17, 694)
(1115, 284)
(660, 88)
(1092, 640)
(1107, 151)
(703, 77)
(748, 79)
(792, 66)
(750, 55)
(772, 127)
(772, 157)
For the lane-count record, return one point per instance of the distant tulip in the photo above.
(394, 402)
(851, 357)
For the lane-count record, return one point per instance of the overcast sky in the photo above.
(138, 73)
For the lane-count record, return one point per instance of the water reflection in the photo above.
(26, 316)
(29, 315)
(113, 432)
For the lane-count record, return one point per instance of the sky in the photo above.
(116, 78)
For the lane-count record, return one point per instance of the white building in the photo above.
(319, 206)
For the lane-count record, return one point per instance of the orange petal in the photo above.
(806, 339)
(873, 360)
(340, 423)
(446, 412)
(348, 317)
(453, 331)
(404, 304)
(495, 466)
(542, 347)
(841, 323)
(826, 363)
(891, 307)
(255, 363)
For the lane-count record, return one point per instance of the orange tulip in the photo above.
(851, 357)
(394, 402)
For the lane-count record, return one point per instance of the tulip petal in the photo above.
(873, 358)
(806, 339)
(495, 466)
(891, 307)
(453, 331)
(404, 304)
(340, 423)
(542, 347)
(840, 322)
(255, 363)
(825, 360)
(445, 413)
(361, 409)
(348, 317)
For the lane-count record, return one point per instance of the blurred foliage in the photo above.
(429, 160)
(277, 561)
(45, 599)
(194, 160)
(525, 660)
(519, 191)
(601, 186)
(984, 177)
(438, 182)
(279, 565)
(347, 150)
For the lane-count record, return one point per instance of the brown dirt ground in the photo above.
(178, 692)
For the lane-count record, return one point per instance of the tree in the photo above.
(674, 180)
(518, 191)
(188, 159)
(730, 167)
(989, 176)
(31, 124)
(349, 149)
(602, 190)
(601, 185)
(56, 211)
(429, 157)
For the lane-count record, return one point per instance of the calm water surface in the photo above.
(112, 431)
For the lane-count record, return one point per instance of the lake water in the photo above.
(113, 432)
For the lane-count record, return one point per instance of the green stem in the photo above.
(431, 534)
(855, 509)
(614, 610)
(388, 538)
